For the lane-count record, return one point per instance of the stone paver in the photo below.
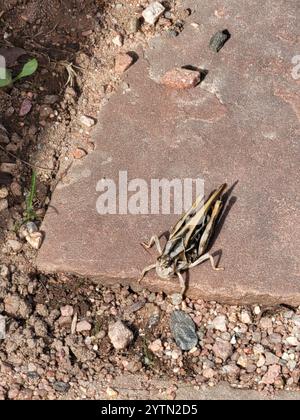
(239, 125)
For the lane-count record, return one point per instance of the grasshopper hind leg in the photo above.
(205, 257)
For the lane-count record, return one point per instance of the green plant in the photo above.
(28, 69)
(30, 214)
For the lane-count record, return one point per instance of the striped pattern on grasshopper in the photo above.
(188, 240)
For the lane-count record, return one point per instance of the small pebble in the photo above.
(25, 107)
(3, 192)
(83, 326)
(176, 299)
(87, 121)
(219, 323)
(16, 246)
(292, 341)
(256, 310)
(152, 13)
(156, 346)
(245, 317)
(112, 393)
(3, 204)
(122, 62)
(67, 310)
(218, 40)
(2, 327)
(61, 386)
(180, 78)
(120, 335)
(118, 40)
(79, 153)
(35, 239)
(183, 330)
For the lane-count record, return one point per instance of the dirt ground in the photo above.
(42, 357)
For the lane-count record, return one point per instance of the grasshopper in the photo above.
(188, 240)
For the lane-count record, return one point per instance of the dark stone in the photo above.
(218, 40)
(61, 386)
(183, 330)
(5, 178)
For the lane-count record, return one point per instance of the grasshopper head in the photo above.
(165, 267)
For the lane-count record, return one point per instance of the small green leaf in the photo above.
(7, 80)
(28, 69)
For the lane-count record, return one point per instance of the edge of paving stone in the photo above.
(154, 283)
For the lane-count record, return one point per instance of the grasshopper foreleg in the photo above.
(153, 240)
(205, 257)
(145, 271)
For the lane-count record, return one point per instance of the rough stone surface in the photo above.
(226, 129)
(183, 330)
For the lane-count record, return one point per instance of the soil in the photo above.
(41, 357)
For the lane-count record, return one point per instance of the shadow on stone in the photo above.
(133, 55)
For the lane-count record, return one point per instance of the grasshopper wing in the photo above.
(185, 217)
(188, 229)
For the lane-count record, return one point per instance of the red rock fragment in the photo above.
(123, 62)
(181, 78)
(79, 153)
(25, 107)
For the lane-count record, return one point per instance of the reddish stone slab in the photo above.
(240, 125)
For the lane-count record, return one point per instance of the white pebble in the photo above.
(87, 121)
(118, 40)
(220, 323)
(292, 341)
(256, 310)
(83, 326)
(2, 327)
(153, 12)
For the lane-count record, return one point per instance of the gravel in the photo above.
(50, 360)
